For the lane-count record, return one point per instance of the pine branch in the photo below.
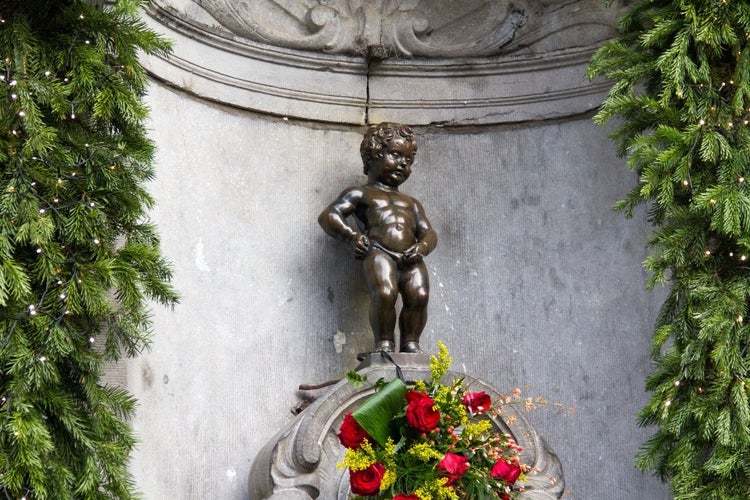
(680, 97)
(79, 262)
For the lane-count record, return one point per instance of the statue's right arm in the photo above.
(333, 218)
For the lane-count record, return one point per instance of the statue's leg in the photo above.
(381, 277)
(414, 285)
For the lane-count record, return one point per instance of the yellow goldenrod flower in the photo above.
(439, 364)
(475, 429)
(425, 452)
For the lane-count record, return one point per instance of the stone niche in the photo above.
(299, 463)
(364, 61)
(350, 62)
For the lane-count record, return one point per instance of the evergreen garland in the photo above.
(78, 258)
(681, 99)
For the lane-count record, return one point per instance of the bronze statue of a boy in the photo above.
(392, 235)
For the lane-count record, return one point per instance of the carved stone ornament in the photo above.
(365, 61)
(299, 463)
(434, 28)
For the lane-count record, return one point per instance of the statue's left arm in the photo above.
(425, 235)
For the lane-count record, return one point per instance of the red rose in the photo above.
(477, 402)
(453, 467)
(367, 482)
(401, 496)
(416, 395)
(421, 413)
(505, 471)
(351, 434)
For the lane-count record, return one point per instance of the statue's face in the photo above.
(393, 167)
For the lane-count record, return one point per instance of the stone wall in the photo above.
(536, 283)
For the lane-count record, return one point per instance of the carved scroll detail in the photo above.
(420, 28)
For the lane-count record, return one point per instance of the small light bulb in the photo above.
(701, 122)
(96, 241)
(47, 73)
(41, 210)
(22, 113)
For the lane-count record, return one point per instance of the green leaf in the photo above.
(376, 414)
(355, 378)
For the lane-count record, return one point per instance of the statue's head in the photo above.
(376, 140)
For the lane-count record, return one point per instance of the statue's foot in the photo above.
(385, 345)
(411, 347)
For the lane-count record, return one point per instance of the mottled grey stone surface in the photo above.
(536, 284)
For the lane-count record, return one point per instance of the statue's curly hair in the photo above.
(376, 138)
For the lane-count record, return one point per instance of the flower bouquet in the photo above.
(428, 441)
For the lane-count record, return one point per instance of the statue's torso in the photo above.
(389, 218)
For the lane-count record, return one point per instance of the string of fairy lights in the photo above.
(75, 255)
(727, 128)
(51, 305)
(61, 257)
(716, 118)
